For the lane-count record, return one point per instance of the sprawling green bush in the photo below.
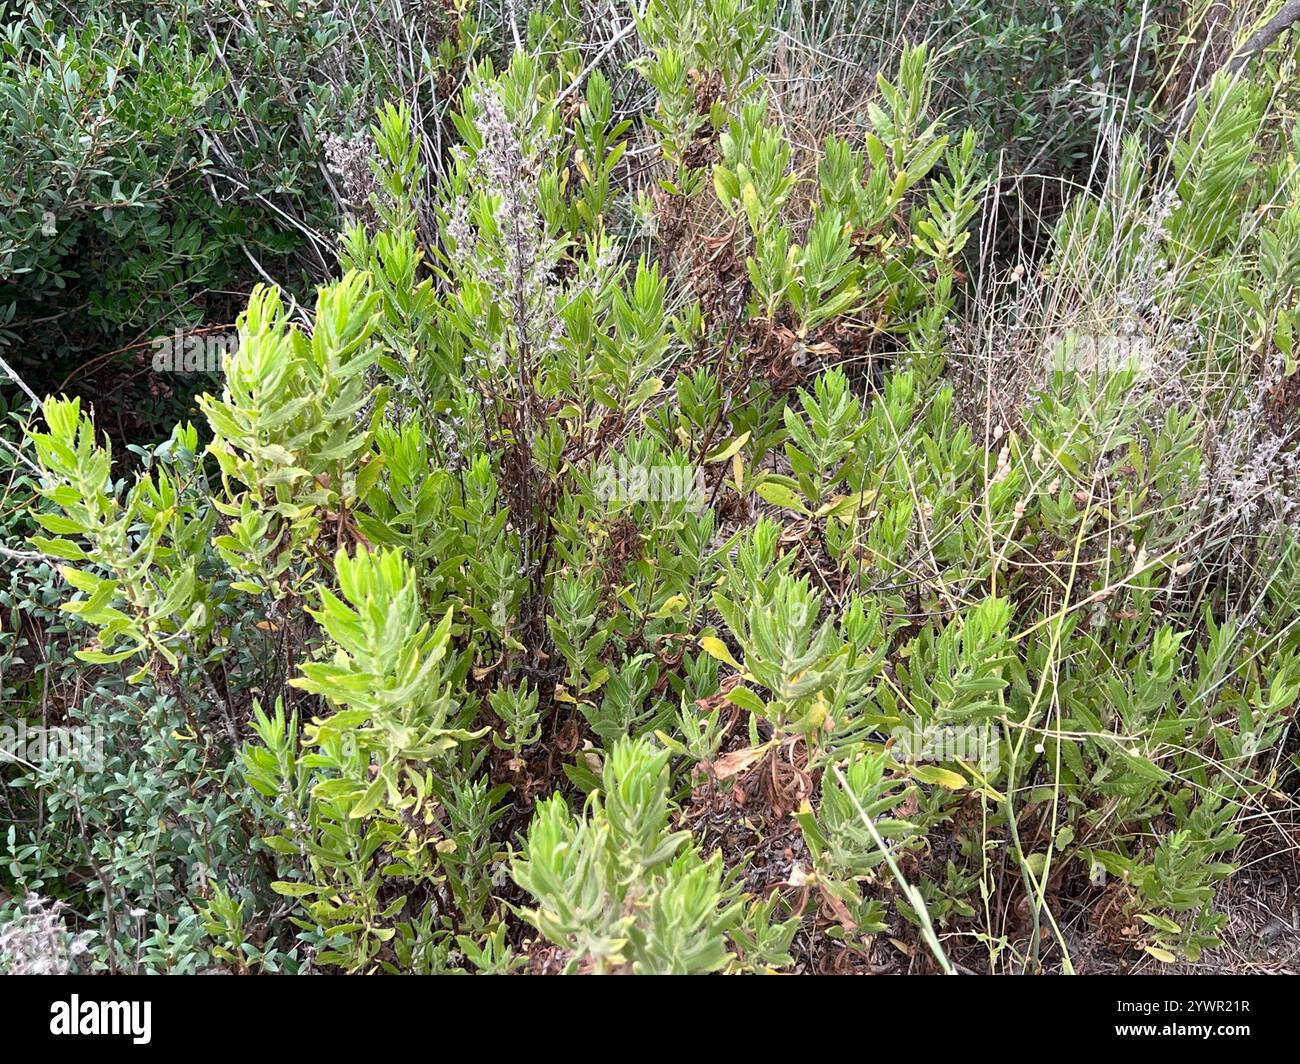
(626, 574)
(160, 159)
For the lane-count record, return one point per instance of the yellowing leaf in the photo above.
(845, 507)
(597, 682)
(731, 448)
(672, 605)
(716, 648)
(942, 777)
(779, 495)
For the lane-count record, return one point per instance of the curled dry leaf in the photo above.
(739, 760)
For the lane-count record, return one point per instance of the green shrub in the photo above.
(161, 159)
(523, 578)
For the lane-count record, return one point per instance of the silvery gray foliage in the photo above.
(37, 941)
(1257, 470)
(349, 160)
(518, 267)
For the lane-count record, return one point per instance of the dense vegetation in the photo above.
(702, 486)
